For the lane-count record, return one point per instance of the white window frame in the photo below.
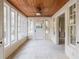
(19, 26)
(72, 25)
(8, 26)
(5, 25)
(12, 26)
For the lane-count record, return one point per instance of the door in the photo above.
(39, 31)
(62, 29)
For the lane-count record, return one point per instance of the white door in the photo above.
(39, 31)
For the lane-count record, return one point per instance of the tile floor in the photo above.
(40, 49)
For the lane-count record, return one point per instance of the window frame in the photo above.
(22, 25)
(46, 26)
(19, 25)
(6, 43)
(72, 24)
(12, 10)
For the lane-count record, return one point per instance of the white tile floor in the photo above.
(40, 49)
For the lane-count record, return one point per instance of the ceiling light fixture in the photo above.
(38, 14)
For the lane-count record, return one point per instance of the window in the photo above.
(29, 27)
(72, 24)
(5, 25)
(15, 25)
(47, 25)
(12, 25)
(19, 26)
(54, 25)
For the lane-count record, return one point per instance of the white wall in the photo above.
(1, 28)
(10, 49)
(36, 20)
(71, 51)
(53, 30)
(20, 31)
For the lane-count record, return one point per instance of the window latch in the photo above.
(1, 42)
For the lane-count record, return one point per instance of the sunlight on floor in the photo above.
(40, 49)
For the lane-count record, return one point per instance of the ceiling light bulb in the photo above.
(38, 14)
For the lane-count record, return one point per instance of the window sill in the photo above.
(6, 46)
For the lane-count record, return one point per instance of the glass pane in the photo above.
(5, 18)
(72, 14)
(31, 30)
(5, 26)
(12, 25)
(72, 22)
(47, 27)
(19, 26)
(12, 18)
(73, 35)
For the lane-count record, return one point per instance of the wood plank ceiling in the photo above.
(44, 7)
